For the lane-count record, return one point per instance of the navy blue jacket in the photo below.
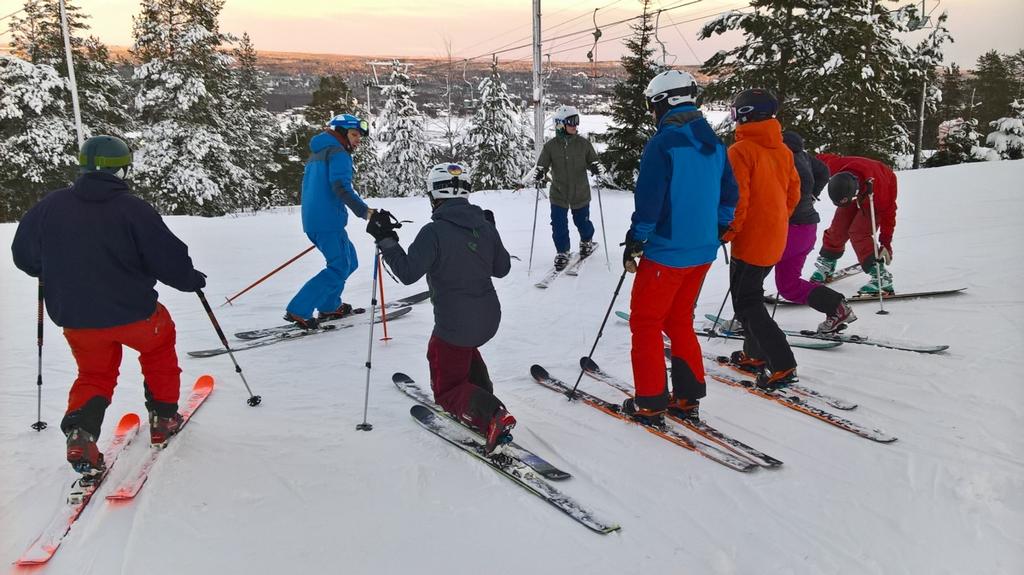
(459, 251)
(685, 191)
(813, 178)
(99, 251)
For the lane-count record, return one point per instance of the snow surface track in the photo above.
(291, 486)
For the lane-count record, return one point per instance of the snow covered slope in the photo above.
(291, 486)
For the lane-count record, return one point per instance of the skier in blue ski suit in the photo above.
(326, 193)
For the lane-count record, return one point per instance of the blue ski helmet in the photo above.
(343, 122)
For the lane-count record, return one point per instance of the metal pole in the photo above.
(572, 393)
(259, 281)
(253, 400)
(364, 426)
(604, 233)
(39, 425)
(714, 326)
(71, 73)
(538, 87)
(920, 124)
(533, 236)
(874, 241)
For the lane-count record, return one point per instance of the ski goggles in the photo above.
(570, 121)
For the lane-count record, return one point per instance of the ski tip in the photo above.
(420, 412)
(128, 421)
(203, 383)
(400, 377)
(588, 364)
(622, 315)
(538, 372)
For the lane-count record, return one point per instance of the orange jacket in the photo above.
(769, 192)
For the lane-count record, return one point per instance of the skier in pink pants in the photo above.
(803, 226)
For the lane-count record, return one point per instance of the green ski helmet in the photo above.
(106, 154)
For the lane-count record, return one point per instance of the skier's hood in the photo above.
(794, 141)
(461, 213)
(322, 141)
(687, 115)
(767, 133)
(98, 187)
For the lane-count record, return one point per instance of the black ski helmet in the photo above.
(754, 105)
(104, 153)
(843, 188)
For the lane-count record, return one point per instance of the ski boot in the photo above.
(824, 269)
(162, 428)
(655, 417)
(302, 322)
(499, 430)
(881, 280)
(587, 248)
(83, 455)
(838, 320)
(748, 364)
(684, 408)
(343, 310)
(777, 379)
(561, 260)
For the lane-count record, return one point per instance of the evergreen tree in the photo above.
(632, 125)
(298, 126)
(35, 141)
(255, 132)
(501, 151)
(184, 161)
(954, 95)
(993, 88)
(403, 139)
(1008, 137)
(839, 66)
(960, 145)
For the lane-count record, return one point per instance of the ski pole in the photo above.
(39, 425)
(364, 426)
(253, 400)
(383, 304)
(874, 244)
(714, 327)
(533, 236)
(227, 301)
(572, 394)
(604, 233)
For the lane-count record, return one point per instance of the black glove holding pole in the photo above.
(382, 225)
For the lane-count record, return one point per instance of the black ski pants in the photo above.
(762, 337)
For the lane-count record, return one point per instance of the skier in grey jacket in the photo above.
(459, 251)
(568, 155)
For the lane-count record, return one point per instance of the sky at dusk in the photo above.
(476, 28)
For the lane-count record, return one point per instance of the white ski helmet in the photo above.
(669, 89)
(567, 116)
(449, 180)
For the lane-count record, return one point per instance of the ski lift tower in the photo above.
(376, 79)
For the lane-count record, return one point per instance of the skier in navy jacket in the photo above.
(99, 250)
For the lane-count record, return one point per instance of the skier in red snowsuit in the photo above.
(852, 219)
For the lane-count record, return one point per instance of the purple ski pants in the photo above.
(799, 244)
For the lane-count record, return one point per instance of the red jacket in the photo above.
(884, 189)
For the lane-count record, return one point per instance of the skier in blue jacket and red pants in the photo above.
(685, 194)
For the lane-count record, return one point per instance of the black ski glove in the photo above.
(489, 216)
(382, 225)
(634, 249)
(199, 279)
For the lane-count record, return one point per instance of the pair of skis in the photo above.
(728, 327)
(515, 462)
(571, 269)
(710, 331)
(863, 297)
(80, 493)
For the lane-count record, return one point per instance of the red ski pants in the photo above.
(98, 354)
(461, 384)
(662, 301)
(849, 224)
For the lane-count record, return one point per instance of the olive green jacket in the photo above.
(568, 157)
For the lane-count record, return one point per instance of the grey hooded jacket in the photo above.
(459, 251)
